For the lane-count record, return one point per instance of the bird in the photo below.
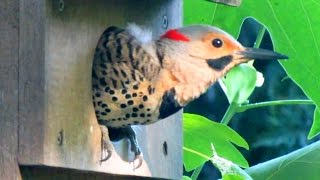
(139, 79)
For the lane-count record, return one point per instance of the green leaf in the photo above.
(232, 177)
(300, 164)
(228, 169)
(199, 133)
(293, 25)
(186, 178)
(315, 128)
(240, 83)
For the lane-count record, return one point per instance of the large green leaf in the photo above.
(200, 132)
(315, 129)
(294, 27)
(233, 177)
(301, 164)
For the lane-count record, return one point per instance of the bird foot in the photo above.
(131, 135)
(116, 134)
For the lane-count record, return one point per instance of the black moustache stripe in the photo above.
(219, 63)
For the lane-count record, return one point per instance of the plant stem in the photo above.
(232, 109)
(260, 35)
(235, 108)
(196, 172)
(273, 103)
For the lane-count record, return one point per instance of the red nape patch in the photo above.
(174, 34)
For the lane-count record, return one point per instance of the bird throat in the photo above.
(184, 81)
(188, 81)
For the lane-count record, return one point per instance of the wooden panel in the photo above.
(9, 35)
(32, 107)
(45, 173)
(57, 121)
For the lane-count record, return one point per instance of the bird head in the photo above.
(198, 55)
(216, 47)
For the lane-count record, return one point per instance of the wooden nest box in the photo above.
(47, 120)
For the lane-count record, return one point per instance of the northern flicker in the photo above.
(138, 79)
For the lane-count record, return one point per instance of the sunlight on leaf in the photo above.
(199, 133)
(233, 177)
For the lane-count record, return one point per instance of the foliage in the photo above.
(298, 39)
(197, 144)
(240, 83)
(186, 178)
(228, 169)
(301, 164)
(315, 129)
(288, 36)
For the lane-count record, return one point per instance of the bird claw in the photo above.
(140, 160)
(118, 134)
(105, 144)
(109, 153)
(134, 148)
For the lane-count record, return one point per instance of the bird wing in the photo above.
(120, 60)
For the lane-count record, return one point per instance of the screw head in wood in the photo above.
(165, 22)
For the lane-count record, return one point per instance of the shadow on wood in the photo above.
(9, 62)
(44, 172)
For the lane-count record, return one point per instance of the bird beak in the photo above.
(255, 53)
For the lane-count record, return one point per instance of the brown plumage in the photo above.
(125, 78)
(137, 80)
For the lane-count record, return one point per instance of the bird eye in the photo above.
(217, 43)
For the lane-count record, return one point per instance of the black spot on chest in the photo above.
(169, 105)
(220, 63)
